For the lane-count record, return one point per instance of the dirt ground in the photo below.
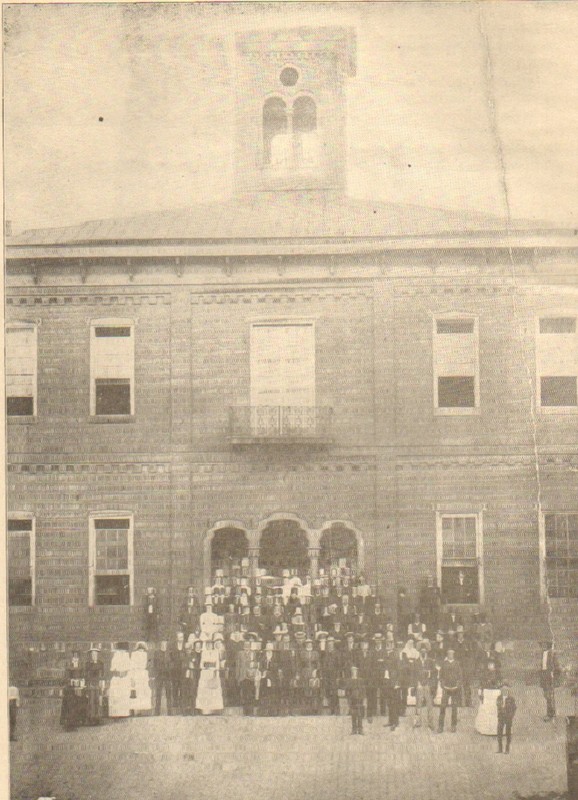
(293, 758)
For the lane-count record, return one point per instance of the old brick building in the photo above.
(289, 376)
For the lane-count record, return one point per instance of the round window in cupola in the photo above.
(289, 76)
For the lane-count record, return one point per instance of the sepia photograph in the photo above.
(291, 400)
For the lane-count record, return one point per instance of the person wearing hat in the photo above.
(269, 670)
(368, 673)
(465, 655)
(451, 681)
(355, 693)
(178, 658)
(95, 686)
(426, 685)
(309, 663)
(391, 684)
(245, 674)
(141, 695)
(162, 677)
(288, 666)
(191, 677)
(430, 603)
(407, 675)
(549, 678)
(189, 613)
(403, 609)
(379, 654)
(73, 710)
(209, 691)
(120, 682)
(506, 711)
(349, 654)
(331, 670)
(151, 614)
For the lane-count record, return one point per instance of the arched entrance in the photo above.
(229, 546)
(338, 549)
(284, 545)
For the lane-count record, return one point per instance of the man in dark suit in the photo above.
(355, 691)
(506, 710)
(178, 659)
(549, 678)
(426, 683)
(162, 678)
(451, 681)
(269, 669)
(331, 675)
(390, 684)
(367, 672)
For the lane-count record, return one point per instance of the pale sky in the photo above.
(456, 90)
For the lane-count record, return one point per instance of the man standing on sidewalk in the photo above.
(506, 710)
(451, 683)
(425, 686)
(549, 677)
(355, 690)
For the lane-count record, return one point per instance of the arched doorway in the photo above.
(284, 545)
(229, 546)
(338, 549)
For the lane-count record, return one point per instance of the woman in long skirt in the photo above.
(141, 694)
(73, 711)
(119, 689)
(94, 675)
(209, 692)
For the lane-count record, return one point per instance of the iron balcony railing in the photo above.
(280, 423)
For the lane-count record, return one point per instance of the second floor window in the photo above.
(290, 136)
(112, 368)
(21, 561)
(21, 370)
(557, 363)
(455, 355)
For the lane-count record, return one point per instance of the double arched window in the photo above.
(290, 133)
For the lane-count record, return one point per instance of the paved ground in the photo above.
(295, 758)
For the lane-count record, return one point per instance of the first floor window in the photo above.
(20, 561)
(458, 540)
(111, 561)
(561, 533)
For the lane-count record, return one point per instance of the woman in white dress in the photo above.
(210, 691)
(119, 689)
(141, 694)
(486, 721)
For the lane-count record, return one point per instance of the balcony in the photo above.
(309, 425)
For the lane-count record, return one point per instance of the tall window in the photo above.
(21, 561)
(561, 534)
(112, 368)
(111, 561)
(282, 376)
(459, 557)
(21, 369)
(455, 360)
(290, 139)
(557, 363)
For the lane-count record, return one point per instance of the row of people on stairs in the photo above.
(288, 675)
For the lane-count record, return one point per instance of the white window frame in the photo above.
(478, 516)
(27, 516)
(459, 411)
(33, 326)
(551, 314)
(111, 322)
(92, 571)
(543, 572)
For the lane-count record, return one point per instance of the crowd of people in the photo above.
(301, 647)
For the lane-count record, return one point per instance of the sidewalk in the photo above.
(305, 758)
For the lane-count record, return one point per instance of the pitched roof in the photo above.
(274, 215)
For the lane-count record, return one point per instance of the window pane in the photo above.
(112, 590)
(112, 396)
(20, 406)
(558, 325)
(19, 524)
(456, 392)
(20, 591)
(455, 325)
(558, 391)
(103, 331)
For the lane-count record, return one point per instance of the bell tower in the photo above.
(291, 108)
